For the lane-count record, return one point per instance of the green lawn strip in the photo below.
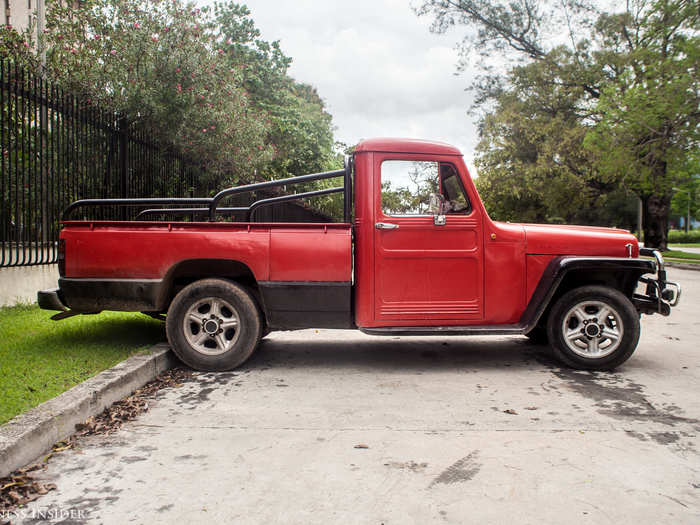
(679, 255)
(686, 245)
(41, 358)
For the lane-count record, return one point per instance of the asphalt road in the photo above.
(338, 427)
(689, 249)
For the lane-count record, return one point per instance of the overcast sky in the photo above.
(377, 66)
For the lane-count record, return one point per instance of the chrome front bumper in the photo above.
(661, 294)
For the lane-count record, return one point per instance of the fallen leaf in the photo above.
(21, 486)
(361, 445)
(510, 411)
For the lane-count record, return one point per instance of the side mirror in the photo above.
(436, 207)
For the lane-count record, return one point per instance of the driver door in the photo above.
(425, 273)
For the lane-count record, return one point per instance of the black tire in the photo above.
(593, 328)
(213, 325)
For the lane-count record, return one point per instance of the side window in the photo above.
(407, 185)
(456, 200)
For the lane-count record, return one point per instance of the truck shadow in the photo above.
(405, 353)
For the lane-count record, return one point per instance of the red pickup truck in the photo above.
(416, 254)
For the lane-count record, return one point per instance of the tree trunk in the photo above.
(656, 210)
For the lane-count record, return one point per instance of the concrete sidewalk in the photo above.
(338, 427)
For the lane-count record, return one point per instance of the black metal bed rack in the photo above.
(192, 206)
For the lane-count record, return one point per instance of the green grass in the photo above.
(41, 358)
(686, 245)
(681, 256)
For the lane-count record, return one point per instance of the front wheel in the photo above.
(593, 328)
(213, 325)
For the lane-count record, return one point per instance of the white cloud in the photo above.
(377, 66)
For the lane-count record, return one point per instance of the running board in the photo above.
(498, 329)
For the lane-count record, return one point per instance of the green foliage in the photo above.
(531, 161)
(614, 109)
(18, 46)
(198, 81)
(680, 237)
(299, 128)
(40, 358)
(686, 197)
(157, 64)
(648, 122)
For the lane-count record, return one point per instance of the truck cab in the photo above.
(416, 254)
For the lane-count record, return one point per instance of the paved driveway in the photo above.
(338, 427)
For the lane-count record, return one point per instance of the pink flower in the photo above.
(213, 127)
(113, 52)
(179, 88)
(204, 130)
(177, 70)
(221, 51)
(154, 38)
(96, 37)
(166, 29)
(137, 25)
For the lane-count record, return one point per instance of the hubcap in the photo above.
(592, 329)
(211, 326)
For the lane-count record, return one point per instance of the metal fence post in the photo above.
(123, 163)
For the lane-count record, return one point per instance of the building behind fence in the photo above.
(56, 149)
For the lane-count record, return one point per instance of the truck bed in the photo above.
(303, 272)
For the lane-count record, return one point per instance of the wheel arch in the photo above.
(566, 273)
(190, 270)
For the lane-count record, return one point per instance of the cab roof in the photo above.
(401, 145)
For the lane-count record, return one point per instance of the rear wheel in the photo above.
(213, 325)
(593, 328)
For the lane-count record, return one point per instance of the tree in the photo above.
(157, 65)
(531, 160)
(201, 82)
(616, 68)
(299, 129)
(649, 116)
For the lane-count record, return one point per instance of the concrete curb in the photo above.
(683, 266)
(29, 435)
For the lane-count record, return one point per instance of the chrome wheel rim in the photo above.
(211, 326)
(592, 329)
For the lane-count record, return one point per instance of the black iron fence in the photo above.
(57, 148)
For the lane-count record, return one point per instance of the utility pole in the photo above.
(640, 213)
(40, 25)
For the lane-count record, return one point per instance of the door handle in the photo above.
(386, 226)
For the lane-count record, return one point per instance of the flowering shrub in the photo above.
(155, 62)
(198, 80)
